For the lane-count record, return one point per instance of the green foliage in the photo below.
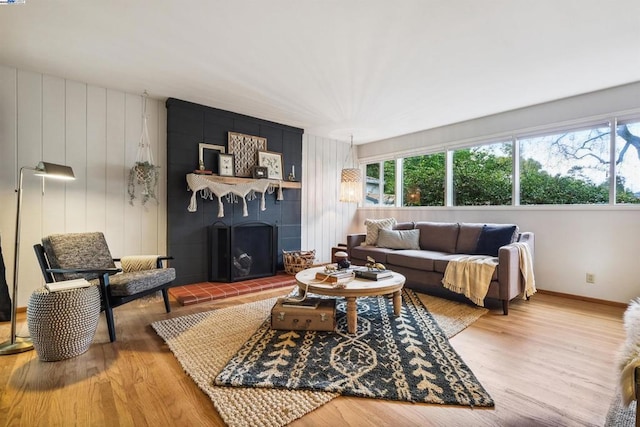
(146, 175)
(481, 177)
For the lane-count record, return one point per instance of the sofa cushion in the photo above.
(359, 254)
(373, 226)
(438, 236)
(468, 237)
(493, 237)
(404, 225)
(416, 259)
(398, 239)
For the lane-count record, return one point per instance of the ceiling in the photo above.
(371, 68)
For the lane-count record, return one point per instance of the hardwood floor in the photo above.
(549, 363)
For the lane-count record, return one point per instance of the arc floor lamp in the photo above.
(46, 170)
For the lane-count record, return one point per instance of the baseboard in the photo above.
(581, 298)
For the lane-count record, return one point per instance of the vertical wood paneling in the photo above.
(96, 156)
(132, 233)
(116, 178)
(93, 130)
(325, 219)
(29, 103)
(53, 150)
(149, 214)
(76, 155)
(8, 172)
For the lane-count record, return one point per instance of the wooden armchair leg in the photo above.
(108, 311)
(165, 297)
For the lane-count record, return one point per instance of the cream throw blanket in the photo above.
(138, 263)
(526, 269)
(470, 275)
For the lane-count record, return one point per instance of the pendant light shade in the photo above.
(351, 181)
(351, 185)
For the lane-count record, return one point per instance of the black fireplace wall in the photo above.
(188, 125)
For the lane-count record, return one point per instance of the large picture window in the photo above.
(380, 183)
(423, 180)
(565, 168)
(628, 163)
(578, 165)
(483, 175)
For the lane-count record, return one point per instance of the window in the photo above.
(423, 180)
(577, 165)
(483, 175)
(628, 163)
(571, 167)
(380, 183)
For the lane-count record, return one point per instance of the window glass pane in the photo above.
(565, 168)
(482, 175)
(628, 163)
(423, 180)
(380, 185)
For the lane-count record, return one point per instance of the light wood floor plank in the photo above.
(550, 362)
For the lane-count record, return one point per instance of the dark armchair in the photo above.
(86, 255)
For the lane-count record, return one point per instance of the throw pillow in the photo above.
(492, 238)
(399, 239)
(373, 226)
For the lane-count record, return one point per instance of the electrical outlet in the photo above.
(591, 278)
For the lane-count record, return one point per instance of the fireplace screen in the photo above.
(243, 251)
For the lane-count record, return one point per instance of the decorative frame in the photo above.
(259, 172)
(245, 147)
(202, 146)
(273, 162)
(226, 164)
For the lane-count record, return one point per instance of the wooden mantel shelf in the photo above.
(237, 180)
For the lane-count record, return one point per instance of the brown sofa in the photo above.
(425, 264)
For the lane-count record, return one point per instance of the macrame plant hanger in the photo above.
(144, 173)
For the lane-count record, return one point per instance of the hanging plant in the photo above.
(144, 173)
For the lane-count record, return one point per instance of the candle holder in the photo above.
(292, 174)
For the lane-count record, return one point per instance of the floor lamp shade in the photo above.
(351, 185)
(46, 170)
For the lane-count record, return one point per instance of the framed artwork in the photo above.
(259, 172)
(201, 153)
(244, 148)
(225, 164)
(273, 162)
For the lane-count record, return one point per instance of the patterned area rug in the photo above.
(405, 357)
(204, 342)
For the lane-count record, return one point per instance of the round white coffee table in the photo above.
(354, 289)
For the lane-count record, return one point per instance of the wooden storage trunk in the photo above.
(292, 318)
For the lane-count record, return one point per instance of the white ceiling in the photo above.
(371, 68)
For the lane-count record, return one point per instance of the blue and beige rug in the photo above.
(204, 342)
(405, 357)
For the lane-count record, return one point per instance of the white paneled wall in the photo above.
(325, 220)
(94, 130)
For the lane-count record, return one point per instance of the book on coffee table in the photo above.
(373, 274)
(66, 285)
(339, 276)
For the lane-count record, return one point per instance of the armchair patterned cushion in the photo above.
(86, 255)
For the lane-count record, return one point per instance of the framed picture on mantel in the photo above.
(273, 162)
(244, 148)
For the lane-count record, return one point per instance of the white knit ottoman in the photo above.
(62, 324)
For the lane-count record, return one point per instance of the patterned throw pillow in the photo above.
(373, 226)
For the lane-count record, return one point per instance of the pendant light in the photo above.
(351, 182)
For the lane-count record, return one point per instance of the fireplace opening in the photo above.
(242, 251)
